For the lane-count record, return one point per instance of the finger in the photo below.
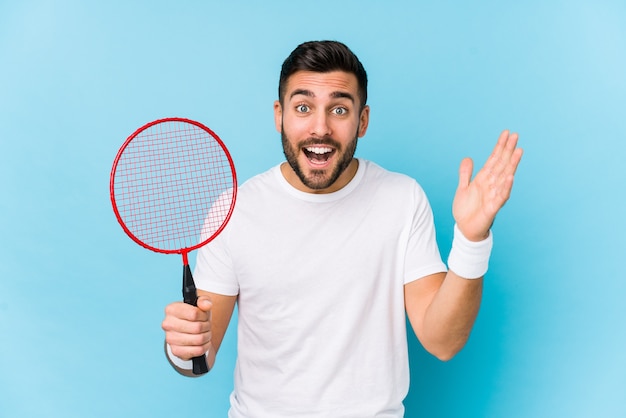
(500, 146)
(511, 143)
(187, 344)
(500, 161)
(204, 303)
(181, 326)
(186, 312)
(189, 340)
(514, 161)
(505, 184)
(509, 147)
(505, 191)
(465, 172)
(187, 352)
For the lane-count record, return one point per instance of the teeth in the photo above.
(319, 150)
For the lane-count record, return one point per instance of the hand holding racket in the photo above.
(173, 189)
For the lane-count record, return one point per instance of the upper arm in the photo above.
(221, 313)
(418, 296)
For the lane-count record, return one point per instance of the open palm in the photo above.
(477, 201)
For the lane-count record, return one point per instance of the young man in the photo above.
(325, 254)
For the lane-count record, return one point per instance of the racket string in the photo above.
(174, 185)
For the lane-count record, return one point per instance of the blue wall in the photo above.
(81, 304)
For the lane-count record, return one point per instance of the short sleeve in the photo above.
(214, 271)
(422, 256)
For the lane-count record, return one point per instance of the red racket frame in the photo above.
(183, 251)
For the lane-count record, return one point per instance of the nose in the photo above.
(320, 126)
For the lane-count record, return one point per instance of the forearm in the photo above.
(448, 320)
(450, 316)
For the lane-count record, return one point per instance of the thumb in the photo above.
(204, 303)
(465, 172)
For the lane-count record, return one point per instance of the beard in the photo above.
(319, 179)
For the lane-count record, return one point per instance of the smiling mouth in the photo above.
(318, 155)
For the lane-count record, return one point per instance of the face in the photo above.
(320, 122)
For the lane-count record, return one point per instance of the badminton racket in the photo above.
(173, 188)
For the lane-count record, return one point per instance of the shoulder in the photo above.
(260, 182)
(396, 182)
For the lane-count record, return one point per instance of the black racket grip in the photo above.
(190, 296)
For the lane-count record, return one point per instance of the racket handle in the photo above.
(190, 296)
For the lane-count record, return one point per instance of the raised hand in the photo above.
(477, 201)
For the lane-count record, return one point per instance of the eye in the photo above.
(302, 108)
(340, 111)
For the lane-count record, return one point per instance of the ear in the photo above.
(364, 120)
(278, 116)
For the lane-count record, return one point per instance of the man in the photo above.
(325, 254)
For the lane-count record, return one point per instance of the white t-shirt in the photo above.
(319, 279)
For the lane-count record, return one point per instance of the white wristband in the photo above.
(177, 361)
(469, 259)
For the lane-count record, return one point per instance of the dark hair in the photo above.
(323, 57)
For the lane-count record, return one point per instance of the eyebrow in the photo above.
(334, 95)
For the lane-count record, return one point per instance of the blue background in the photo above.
(81, 304)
